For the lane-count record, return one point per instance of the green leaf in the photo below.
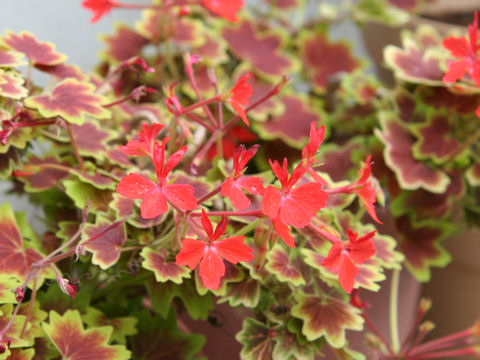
(122, 327)
(158, 338)
(162, 294)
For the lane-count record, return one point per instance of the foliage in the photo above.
(215, 169)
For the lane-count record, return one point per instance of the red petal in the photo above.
(220, 229)
(284, 232)
(206, 224)
(361, 249)
(332, 261)
(459, 47)
(174, 159)
(231, 190)
(240, 111)
(368, 196)
(271, 202)
(153, 205)
(347, 273)
(252, 184)
(302, 204)
(233, 249)
(135, 186)
(212, 268)
(226, 9)
(181, 195)
(191, 253)
(456, 70)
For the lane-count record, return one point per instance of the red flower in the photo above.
(98, 7)
(66, 287)
(310, 150)
(237, 135)
(155, 196)
(466, 50)
(364, 189)
(227, 9)
(212, 253)
(233, 185)
(144, 146)
(241, 92)
(342, 257)
(290, 206)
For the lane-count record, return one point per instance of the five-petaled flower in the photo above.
(143, 146)
(99, 8)
(343, 256)
(233, 185)
(210, 254)
(239, 95)
(155, 196)
(227, 9)
(467, 51)
(292, 206)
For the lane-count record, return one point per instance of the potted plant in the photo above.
(202, 188)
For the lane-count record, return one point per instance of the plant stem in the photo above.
(330, 237)
(201, 103)
(75, 148)
(122, 5)
(394, 286)
(377, 333)
(445, 354)
(210, 194)
(246, 229)
(257, 213)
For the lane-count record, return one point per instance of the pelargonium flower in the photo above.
(310, 150)
(233, 185)
(227, 9)
(144, 146)
(292, 206)
(210, 254)
(98, 7)
(66, 287)
(155, 196)
(240, 94)
(466, 49)
(364, 189)
(343, 256)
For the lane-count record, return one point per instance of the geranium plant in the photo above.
(247, 159)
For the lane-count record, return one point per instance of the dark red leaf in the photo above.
(261, 49)
(72, 100)
(106, 248)
(75, 343)
(91, 140)
(63, 71)
(11, 86)
(15, 258)
(411, 173)
(124, 44)
(37, 52)
(323, 59)
(326, 316)
(293, 125)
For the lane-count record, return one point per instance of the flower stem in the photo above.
(377, 332)
(257, 213)
(75, 148)
(394, 286)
